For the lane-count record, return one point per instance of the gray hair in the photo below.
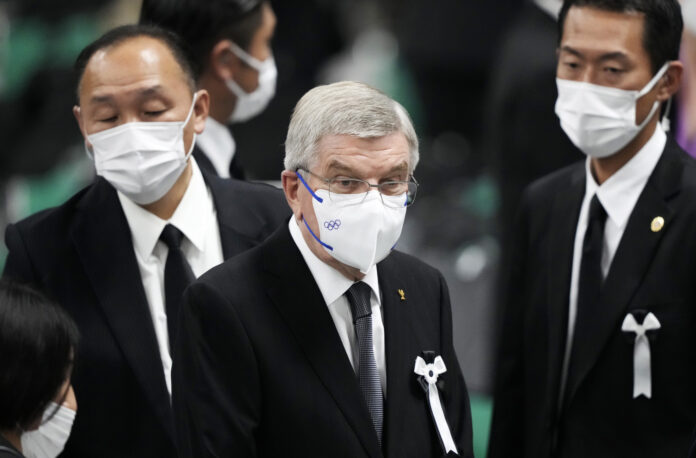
(344, 108)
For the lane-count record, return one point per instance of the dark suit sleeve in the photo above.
(506, 439)
(216, 397)
(458, 408)
(18, 264)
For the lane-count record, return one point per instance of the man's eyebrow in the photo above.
(339, 167)
(399, 168)
(150, 90)
(570, 50)
(618, 55)
(101, 98)
(142, 92)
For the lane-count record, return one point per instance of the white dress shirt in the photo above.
(618, 195)
(333, 286)
(217, 143)
(196, 217)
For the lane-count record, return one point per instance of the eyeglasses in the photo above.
(343, 185)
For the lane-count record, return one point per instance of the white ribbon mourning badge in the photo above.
(642, 376)
(428, 373)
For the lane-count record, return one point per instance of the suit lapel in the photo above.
(296, 296)
(397, 335)
(203, 161)
(239, 230)
(103, 242)
(631, 261)
(565, 214)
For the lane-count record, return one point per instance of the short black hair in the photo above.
(662, 30)
(126, 32)
(203, 23)
(38, 341)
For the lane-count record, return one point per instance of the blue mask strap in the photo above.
(311, 192)
(328, 247)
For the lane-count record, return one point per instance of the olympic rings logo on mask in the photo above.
(333, 224)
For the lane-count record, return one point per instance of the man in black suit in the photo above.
(306, 345)
(119, 253)
(229, 44)
(597, 346)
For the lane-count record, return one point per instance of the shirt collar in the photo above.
(332, 283)
(217, 143)
(190, 217)
(619, 194)
(550, 7)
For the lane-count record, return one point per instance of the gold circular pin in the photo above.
(657, 224)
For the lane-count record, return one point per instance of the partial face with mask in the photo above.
(249, 75)
(609, 94)
(351, 203)
(53, 430)
(139, 116)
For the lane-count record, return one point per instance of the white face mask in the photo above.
(250, 104)
(355, 229)
(143, 160)
(49, 440)
(601, 120)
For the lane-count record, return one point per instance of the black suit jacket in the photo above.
(81, 253)
(261, 371)
(651, 271)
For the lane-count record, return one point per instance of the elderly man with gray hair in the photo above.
(325, 341)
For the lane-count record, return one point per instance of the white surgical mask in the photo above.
(49, 440)
(355, 229)
(143, 160)
(601, 120)
(250, 104)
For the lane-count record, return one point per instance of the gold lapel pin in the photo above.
(657, 224)
(402, 294)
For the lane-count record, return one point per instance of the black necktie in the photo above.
(177, 276)
(368, 377)
(590, 281)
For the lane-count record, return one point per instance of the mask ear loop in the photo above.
(325, 245)
(649, 87)
(308, 188)
(183, 126)
(666, 123)
(248, 59)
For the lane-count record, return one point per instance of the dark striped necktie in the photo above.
(359, 298)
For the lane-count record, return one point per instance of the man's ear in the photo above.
(77, 112)
(201, 110)
(291, 188)
(224, 63)
(671, 81)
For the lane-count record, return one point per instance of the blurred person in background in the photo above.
(685, 128)
(119, 254)
(229, 44)
(38, 341)
(597, 346)
(521, 126)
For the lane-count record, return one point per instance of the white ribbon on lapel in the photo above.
(642, 377)
(430, 372)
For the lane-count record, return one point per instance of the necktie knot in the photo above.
(171, 236)
(597, 212)
(359, 300)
